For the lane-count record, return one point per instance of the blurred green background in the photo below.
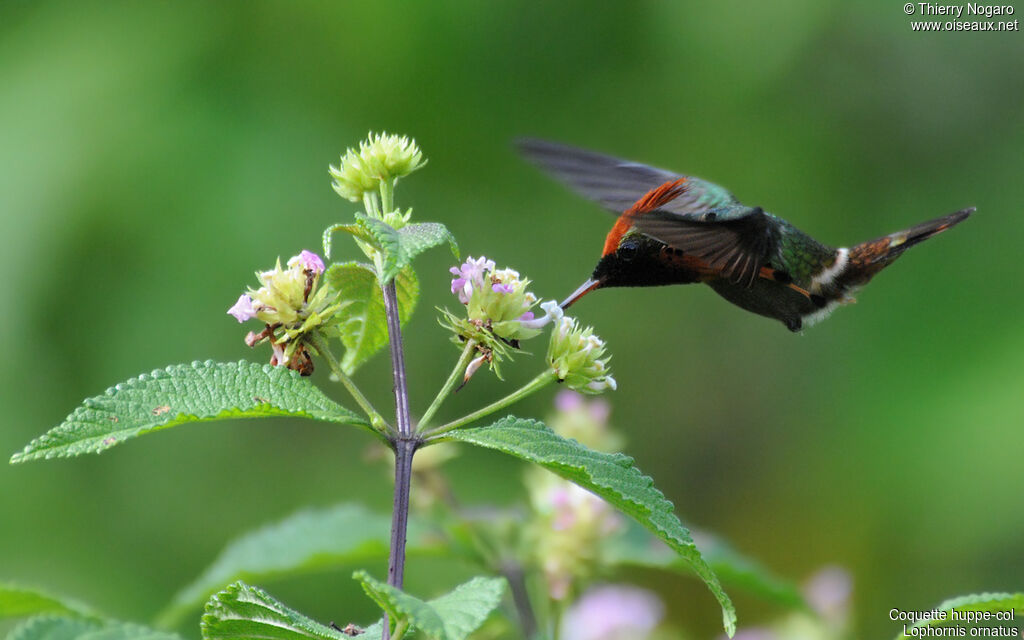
(153, 155)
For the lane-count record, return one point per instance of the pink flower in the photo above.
(612, 612)
(498, 287)
(309, 261)
(243, 309)
(469, 275)
(461, 287)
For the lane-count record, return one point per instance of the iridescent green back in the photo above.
(798, 254)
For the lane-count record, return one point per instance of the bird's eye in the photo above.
(627, 250)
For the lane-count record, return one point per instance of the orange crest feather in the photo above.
(650, 201)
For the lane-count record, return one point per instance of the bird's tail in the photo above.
(868, 258)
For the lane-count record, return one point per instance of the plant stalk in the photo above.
(460, 366)
(404, 450)
(387, 195)
(538, 383)
(376, 420)
(513, 572)
(402, 418)
(404, 443)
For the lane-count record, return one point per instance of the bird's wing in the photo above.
(736, 245)
(618, 184)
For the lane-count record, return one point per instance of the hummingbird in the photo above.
(679, 229)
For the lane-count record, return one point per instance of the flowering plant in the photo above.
(590, 511)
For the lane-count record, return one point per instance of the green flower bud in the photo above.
(396, 219)
(381, 157)
(575, 355)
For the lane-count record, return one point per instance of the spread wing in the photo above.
(736, 245)
(618, 184)
(703, 220)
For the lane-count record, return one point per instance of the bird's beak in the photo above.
(584, 289)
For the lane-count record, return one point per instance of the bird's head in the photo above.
(633, 262)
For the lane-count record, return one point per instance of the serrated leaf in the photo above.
(362, 324)
(310, 540)
(242, 612)
(417, 238)
(60, 628)
(387, 241)
(980, 602)
(356, 230)
(635, 546)
(614, 477)
(399, 247)
(20, 602)
(452, 616)
(179, 394)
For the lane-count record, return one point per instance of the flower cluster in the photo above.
(499, 314)
(292, 305)
(498, 310)
(498, 299)
(570, 524)
(381, 157)
(577, 357)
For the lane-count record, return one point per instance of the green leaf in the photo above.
(386, 240)
(58, 628)
(310, 540)
(635, 546)
(452, 616)
(362, 324)
(978, 602)
(611, 476)
(197, 392)
(400, 246)
(241, 612)
(417, 238)
(356, 230)
(20, 602)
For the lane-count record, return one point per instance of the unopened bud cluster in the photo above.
(577, 357)
(381, 158)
